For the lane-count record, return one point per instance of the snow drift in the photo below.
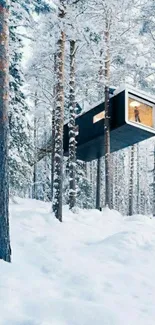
(94, 268)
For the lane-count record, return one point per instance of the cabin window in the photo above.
(99, 117)
(140, 112)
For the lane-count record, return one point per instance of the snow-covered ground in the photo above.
(93, 269)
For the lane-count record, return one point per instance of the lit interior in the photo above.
(99, 117)
(139, 112)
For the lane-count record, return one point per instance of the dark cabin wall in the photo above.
(90, 140)
(88, 130)
(118, 115)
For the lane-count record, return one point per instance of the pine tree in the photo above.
(5, 249)
(20, 145)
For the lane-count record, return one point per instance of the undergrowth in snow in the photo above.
(96, 268)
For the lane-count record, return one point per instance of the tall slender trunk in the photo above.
(34, 187)
(92, 181)
(53, 127)
(112, 181)
(5, 248)
(138, 179)
(98, 185)
(131, 181)
(116, 180)
(45, 194)
(100, 95)
(59, 122)
(107, 117)
(72, 131)
(154, 184)
(101, 74)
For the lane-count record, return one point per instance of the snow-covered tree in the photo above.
(5, 249)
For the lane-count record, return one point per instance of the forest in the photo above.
(77, 226)
(58, 58)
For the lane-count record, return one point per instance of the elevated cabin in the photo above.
(132, 119)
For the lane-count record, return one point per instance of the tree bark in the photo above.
(59, 122)
(101, 74)
(72, 131)
(34, 188)
(154, 184)
(138, 180)
(53, 127)
(45, 194)
(5, 248)
(116, 180)
(112, 166)
(107, 117)
(131, 182)
(98, 185)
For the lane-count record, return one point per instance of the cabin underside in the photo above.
(120, 138)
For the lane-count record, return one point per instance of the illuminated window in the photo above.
(99, 117)
(140, 112)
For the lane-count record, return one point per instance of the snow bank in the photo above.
(96, 268)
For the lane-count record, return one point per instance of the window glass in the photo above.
(140, 112)
(99, 117)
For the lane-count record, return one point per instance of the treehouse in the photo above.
(132, 120)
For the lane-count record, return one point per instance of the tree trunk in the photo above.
(131, 182)
(5, 249)
(53, 128)
(59, 122)
(154, 185)
(116, 180)
(34, 188)
(112, 166)
(72, 131)
(138, 180)
(100, 96)
(101, 74)
(98, 185)
(107, 117)
(45, 194)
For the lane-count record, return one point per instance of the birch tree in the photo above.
(5, 249)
